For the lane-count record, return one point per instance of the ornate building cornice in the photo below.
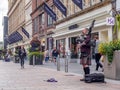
(86, 10)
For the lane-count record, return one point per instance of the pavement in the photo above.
(12, 77)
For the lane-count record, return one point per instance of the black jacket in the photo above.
(22, 53)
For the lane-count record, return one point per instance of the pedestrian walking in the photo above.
(68, 53)
(97, 54)
(55, 54)
(46, 55)
(22, 55)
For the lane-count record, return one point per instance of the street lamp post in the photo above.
(45, 34)
(114, 12)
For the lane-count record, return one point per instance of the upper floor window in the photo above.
(86, 3)
(49, 21)
(95, 1)
(72, 8)
(36, 25)
(59, 15)
(37, 3)
(42, 19)
(69, 7)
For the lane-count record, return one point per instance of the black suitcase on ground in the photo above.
(94, 77)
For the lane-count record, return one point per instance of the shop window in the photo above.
(61, 47)
(73, 47)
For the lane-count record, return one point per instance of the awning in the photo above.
(79, 3)
(49, 11)
(14, 37)
(25, 32)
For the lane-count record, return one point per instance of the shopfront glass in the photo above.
(61, 47)
(73, 47)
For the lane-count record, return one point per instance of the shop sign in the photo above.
(110, 21)
(73, 26)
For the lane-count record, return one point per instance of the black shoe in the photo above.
(23, 66)
(96, 70)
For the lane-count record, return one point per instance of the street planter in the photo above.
(112, 70)
(37, 57)
(111, 51)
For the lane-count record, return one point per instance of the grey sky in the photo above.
(3, 12)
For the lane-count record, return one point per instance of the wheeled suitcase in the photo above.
(94, 77)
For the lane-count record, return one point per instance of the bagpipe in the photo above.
(83, 38)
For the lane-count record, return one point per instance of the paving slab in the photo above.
(12, 77)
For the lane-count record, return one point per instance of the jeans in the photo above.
(22, 61)
(97, 59)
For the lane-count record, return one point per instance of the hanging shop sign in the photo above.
(110, 21)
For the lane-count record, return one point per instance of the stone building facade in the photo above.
(16, 18)
(42, 23)
(19, 16)
(69, 28)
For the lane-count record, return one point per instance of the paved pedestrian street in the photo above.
(12, 77)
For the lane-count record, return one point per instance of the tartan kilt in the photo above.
(85, 60)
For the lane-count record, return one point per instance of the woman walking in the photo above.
(97, 54)
(22, 55)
